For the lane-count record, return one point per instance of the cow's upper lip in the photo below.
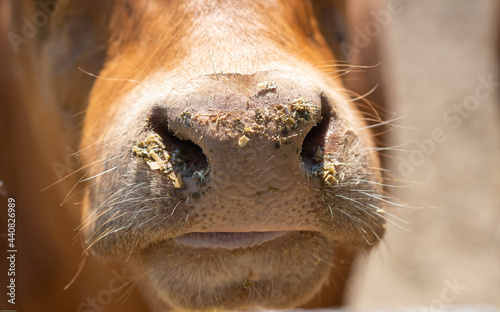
(227, 240)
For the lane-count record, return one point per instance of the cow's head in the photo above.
(224, 160)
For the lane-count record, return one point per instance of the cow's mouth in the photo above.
(227, 240)
(238, 270)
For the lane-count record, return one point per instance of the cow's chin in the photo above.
(283, 272)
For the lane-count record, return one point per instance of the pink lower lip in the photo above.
(227, 240)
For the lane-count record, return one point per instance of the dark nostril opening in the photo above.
(188, 155)
(312, 146)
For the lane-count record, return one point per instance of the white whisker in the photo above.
(95, 176)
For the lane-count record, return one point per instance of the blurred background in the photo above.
(441, 61)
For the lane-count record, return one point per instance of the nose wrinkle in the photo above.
(243, 165)
(251, 178)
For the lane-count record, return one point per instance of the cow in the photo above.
(211, 149)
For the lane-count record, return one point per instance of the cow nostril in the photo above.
(312, 146)
(186, 157)
(190, 152)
